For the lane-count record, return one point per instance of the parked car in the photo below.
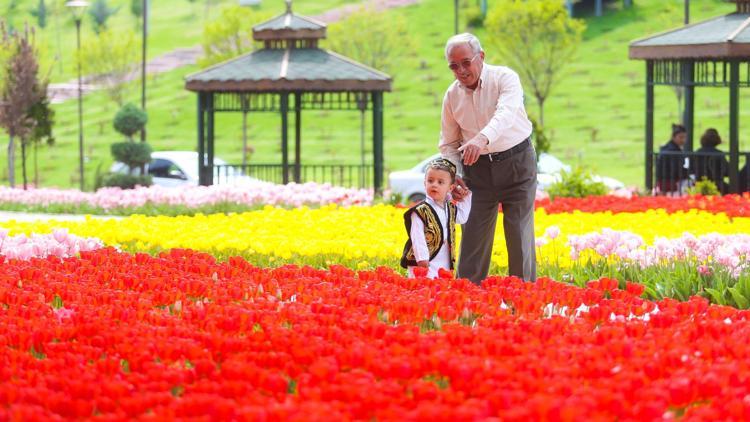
(410, 183)
(180, 168)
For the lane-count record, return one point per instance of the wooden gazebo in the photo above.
(711, 53)
(289, 73)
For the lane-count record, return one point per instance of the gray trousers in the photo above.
(512, 183)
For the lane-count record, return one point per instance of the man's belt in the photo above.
(502, 155)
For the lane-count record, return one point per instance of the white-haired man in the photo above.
(485, 127)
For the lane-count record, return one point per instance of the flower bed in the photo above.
(179, 335)
(156, 200)
(58, 243)
(650, 247)
(731, 205)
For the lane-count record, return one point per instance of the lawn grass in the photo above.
(595, 117)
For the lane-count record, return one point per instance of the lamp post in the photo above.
(78, 7)
(455, 17)
(143, 64)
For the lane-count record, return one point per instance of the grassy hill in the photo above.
(595, 116)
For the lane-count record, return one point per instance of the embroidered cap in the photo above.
(443, 164)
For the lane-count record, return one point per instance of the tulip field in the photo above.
(189, 200)
(302, 313)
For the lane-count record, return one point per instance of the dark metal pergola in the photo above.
(711, 53)
(289, 73)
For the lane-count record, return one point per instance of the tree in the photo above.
(537, 39)
(58, 9)
(130, 120)
(229, 36)
(21, 90)
(136, 8)
(42, 116)
(100, 13)
(12, 6)
(113, 58)
(6, 50)
(372, 38)
(40, 13)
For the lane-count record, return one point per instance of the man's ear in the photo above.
(481, 54)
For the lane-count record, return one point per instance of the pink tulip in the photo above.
(552, 232)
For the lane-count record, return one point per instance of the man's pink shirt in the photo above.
(495, 109)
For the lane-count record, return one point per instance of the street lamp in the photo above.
(144, 36)
(455, 17)
(78, 7)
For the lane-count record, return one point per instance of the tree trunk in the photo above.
(362, 138)
(23, 165)
(36, 165)
(11, 162)
(57, 29)
(540, 101)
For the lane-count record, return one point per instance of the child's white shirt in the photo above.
(419, 244)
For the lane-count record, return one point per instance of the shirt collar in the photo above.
(434, 204)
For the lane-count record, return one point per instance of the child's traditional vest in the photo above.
(433, 232)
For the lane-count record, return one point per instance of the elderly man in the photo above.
(485, 127)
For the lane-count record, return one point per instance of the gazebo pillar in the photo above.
(377, 140)
(649, 124)
(688, 115)
(285, 137)
(202, 139)
(297, 136)
(734, 139)
(209, 154)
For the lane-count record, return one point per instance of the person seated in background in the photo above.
(744, 179)
(672, 173)
(710, 162)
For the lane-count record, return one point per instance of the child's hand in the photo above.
(465, 192)
(460, 191)
(423, 264)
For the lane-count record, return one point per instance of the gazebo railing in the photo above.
(673, 173)
(346, 175)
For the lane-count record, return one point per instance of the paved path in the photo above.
(184, 56)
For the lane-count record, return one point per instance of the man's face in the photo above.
(466, 65)
(680, 138)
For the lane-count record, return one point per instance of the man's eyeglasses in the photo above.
(466, 63)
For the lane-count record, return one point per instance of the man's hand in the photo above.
(423, 264)
(472, 148)
(460, 191)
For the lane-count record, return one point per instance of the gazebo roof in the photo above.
(289, 21)
(289, 26)
(293, 69)
(723, 37)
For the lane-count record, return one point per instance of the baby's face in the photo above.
(437, 184)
